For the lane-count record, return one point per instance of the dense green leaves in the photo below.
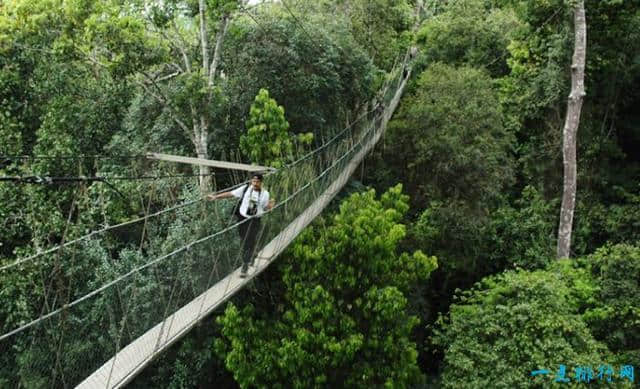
(575, 313)
(449, 138)
(381, 26)
(467, 33)
(511, 325)
(319, 73)
(267, 141)
(615, 315)
(344, 319)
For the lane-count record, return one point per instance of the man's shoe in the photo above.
(243, 271)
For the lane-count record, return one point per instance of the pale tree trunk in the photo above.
(202, 152)
(570, 131)
(204, 39)
(199, 131)
(209, 69)
(200, 126)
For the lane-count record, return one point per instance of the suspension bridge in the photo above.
(102, 333)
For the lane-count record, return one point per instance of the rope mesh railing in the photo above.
(76, 306)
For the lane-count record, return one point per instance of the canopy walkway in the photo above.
(104, 333)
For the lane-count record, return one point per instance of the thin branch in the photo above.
(181, 45)
(162, 99)
(168, 76)
(203, 37)
(224, 24)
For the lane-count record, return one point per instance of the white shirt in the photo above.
(259, 199)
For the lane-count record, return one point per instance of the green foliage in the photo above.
(523, 235)
(322, 78)
(471, 244)
(510, 325)
(615, 315)
(268, 142)
(448, 138)
(577, 312)
(597, 223)
(467, 33)
(381, 26)
(344, 319)
(459, 241)
(121, 41)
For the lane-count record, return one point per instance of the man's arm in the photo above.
(270, 204)
(223, 195)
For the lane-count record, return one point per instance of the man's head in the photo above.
(256, 181)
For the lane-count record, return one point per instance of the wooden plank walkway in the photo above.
(129, 361)
(209, 162)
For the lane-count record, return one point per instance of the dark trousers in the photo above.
(249, 235)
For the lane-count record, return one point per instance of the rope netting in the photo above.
(68, 309)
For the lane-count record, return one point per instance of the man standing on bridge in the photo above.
(254, 202)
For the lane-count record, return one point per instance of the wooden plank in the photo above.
(134, 357)
(208, 162)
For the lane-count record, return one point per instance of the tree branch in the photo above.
(203, 37)
(224, 24)
(162, 99)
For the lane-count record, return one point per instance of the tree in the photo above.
(381, 26)
(512, 324)
(320, 73)
(612, 315)
(448, 138)
(344, 317)
(511, 235)
(467, 33)
(196, 75)
(268, 141)
(570, 131)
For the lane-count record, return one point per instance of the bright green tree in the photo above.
(514, 323)
(344, 319)
(614, 315)
(268, 141)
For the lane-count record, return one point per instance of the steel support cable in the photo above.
(108, 228)
(43, 179)
(96, 232)
(329, 142)
(374, 127)
(81, 156)
(174, 252)
(187, 247)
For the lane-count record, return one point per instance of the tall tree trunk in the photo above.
(570, 131)
(200, 123)
(201, 150)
